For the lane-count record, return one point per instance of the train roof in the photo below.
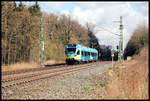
(80, 46)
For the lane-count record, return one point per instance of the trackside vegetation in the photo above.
(139, 39)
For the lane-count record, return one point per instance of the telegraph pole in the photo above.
(41, 50)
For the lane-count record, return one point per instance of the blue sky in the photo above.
(102, 14)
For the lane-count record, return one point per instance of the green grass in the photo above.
(99, 86)
(89, 78)
(89, 87)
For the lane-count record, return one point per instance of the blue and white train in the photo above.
(78, 54)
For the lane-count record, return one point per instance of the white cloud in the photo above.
(87, 15)
(65, 12)
(104, 13)
(144, 8)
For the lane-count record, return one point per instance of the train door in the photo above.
(78, 54)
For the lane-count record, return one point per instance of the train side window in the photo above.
(93, 54)
(78, 53)
(85, 53)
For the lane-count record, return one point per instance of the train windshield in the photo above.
(71, 50)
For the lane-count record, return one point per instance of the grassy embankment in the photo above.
(130, 81)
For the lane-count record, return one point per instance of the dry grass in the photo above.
(23, 65)
(50, 62)
(19, 66)
(130, 82)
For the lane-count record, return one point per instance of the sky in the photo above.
(104, 15)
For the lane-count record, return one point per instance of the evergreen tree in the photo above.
(35, 10)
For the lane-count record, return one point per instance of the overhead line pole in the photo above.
(121, 42)
(121, 58)
(41, 50)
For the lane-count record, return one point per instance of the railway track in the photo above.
(11, 81)
(34, 69)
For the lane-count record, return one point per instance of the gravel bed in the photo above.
(73, 85)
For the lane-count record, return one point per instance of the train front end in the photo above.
(71, 53)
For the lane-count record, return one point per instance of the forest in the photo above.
(20, 34)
